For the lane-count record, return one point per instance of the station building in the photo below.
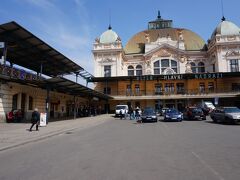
(164, 66)
(32, 76)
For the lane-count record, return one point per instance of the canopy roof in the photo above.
(27, 50)
(67, 86)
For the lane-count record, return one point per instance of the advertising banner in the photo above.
(43, 119)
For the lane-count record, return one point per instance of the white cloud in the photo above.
(70, 37)
(45, 4)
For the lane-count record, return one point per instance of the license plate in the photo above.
(174, 118)
(149, 118)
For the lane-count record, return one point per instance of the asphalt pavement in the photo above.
(107, 148)
(17, 134)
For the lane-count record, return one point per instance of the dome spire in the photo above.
(223, 18)
(159, 15)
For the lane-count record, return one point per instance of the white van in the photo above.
(209, 105)
(119, 108)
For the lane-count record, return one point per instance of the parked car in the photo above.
(173, 115)
(119, 108)
(149, 115)
(226, 115)
(162, 111)
(194, 113)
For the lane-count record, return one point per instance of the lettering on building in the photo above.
(208, 76)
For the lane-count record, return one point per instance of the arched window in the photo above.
(201, 67)
(130, 71)
(139, 70)
(162, 66)
(193, 66)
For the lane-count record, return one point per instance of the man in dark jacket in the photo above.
(35, 119)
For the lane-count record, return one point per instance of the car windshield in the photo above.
(120, 107)
(232, 110)
(172, 111)
(148, 110)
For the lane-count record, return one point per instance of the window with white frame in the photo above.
(130, 71)
(201, 67)
(107, 71)
(138, 70)
(193, 67)
(234, 66)
(163, 65)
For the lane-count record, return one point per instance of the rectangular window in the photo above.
(157, 71)
(158, 89)
(169, 88)
(139, 72)
(107, 71)
(180, 88)
(201, 87)
(129, 90)
(137, 89)
(210, 87)
(234, 67)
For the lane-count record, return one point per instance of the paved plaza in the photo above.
(107, 148)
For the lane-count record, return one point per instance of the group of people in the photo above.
(134, 114)
(15, 116)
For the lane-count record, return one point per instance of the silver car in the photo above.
(226, 115)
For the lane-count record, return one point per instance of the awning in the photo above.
(69, 87)
(27, 50)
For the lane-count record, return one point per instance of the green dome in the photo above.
(226, 28)
(108, 36)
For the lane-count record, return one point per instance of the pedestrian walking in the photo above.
(121, 113)
(131, 113)
(138, 115)
(35, 119)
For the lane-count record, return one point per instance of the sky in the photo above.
(71, 26)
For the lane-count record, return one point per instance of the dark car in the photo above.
(173, 115)
(194, 113)
(226, 115)
(149, 115)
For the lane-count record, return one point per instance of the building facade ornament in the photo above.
(232, 53)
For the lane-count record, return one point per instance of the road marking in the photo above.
(208, 166)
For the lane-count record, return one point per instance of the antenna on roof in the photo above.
(223, 18)
(109, 27)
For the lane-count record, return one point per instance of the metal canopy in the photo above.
(66, 86)
(27, 50)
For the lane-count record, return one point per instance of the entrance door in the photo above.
(106, 107)
(14, 101)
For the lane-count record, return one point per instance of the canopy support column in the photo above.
(47, 104)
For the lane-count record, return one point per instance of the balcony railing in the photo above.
(174, 92)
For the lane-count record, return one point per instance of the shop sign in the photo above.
(173, 77)
(208, 76)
